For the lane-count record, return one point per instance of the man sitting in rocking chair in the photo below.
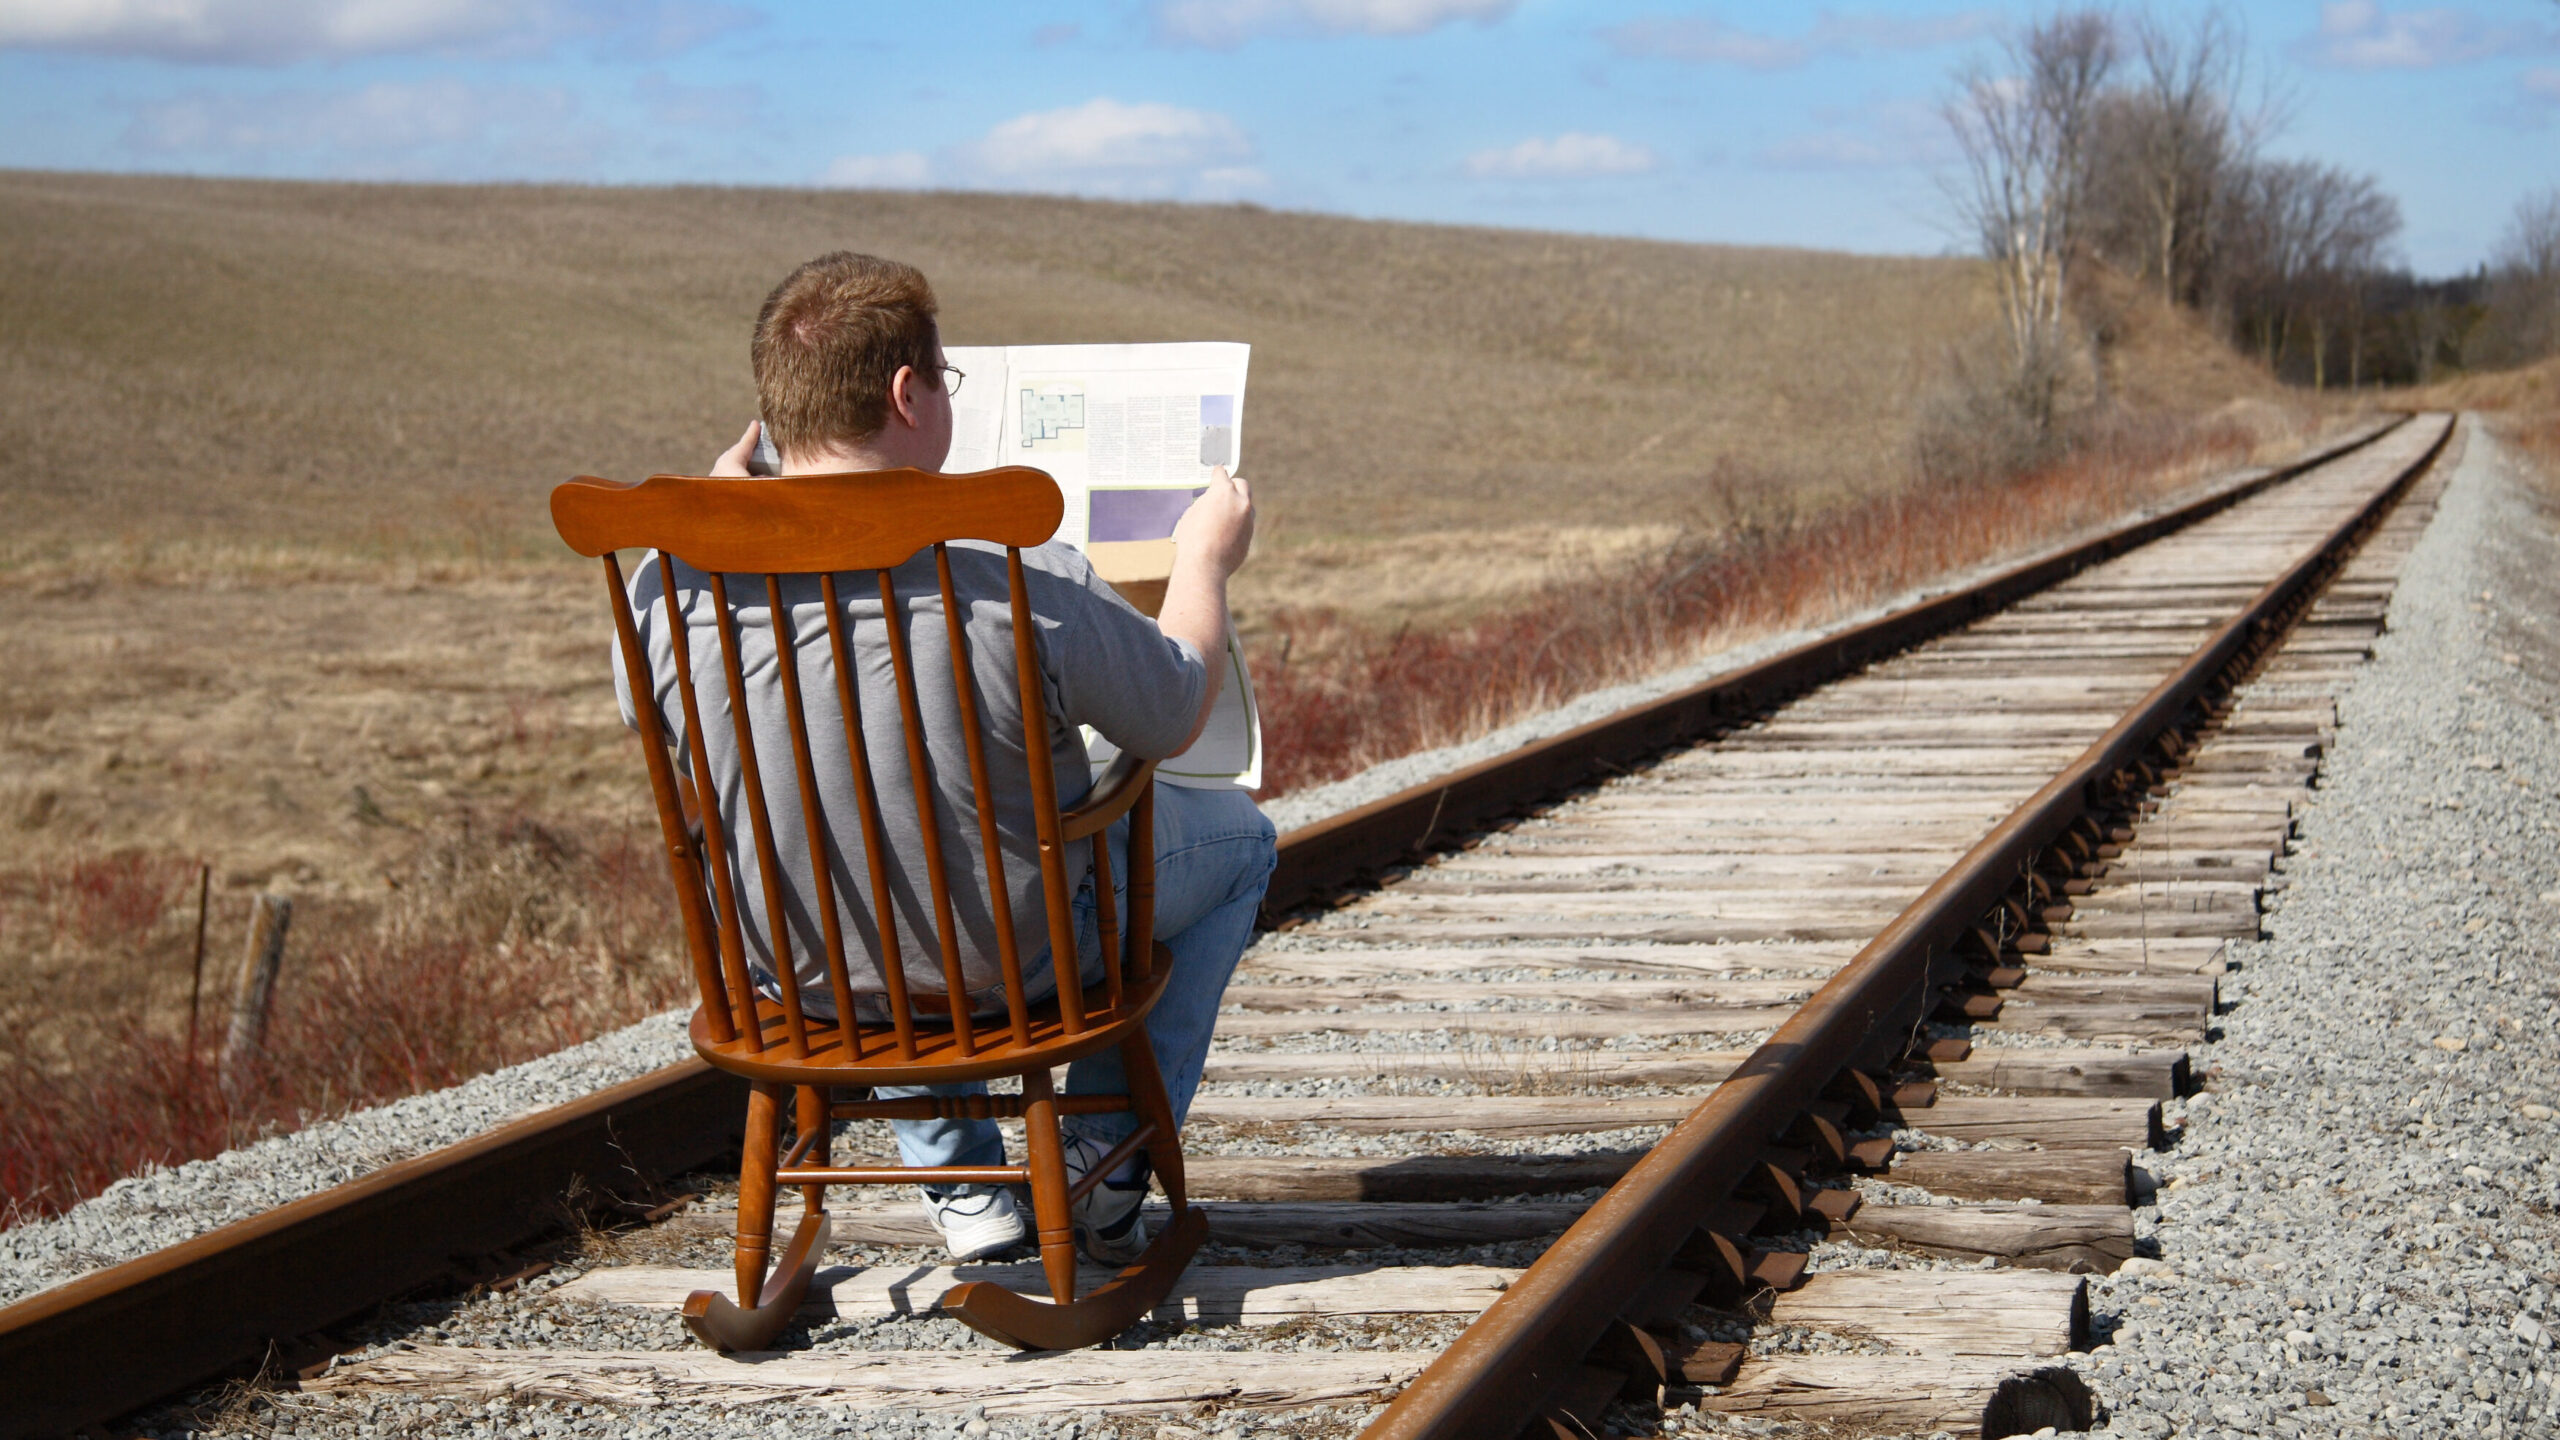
(850, 376)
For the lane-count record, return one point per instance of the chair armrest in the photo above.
(1122, 782)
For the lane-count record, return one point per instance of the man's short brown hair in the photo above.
(828, 345)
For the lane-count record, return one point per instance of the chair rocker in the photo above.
(826, 526)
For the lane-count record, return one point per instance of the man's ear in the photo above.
(902, 395)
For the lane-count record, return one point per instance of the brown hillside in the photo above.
(392, 369)
(285, 601)
(229, 409)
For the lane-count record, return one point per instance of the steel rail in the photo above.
(1323, 858)
(114, 1340)
(1504, 1370)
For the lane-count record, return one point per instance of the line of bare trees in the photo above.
(2141, 143)
(2521, 304)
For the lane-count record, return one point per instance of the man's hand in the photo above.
(1209, 542)
(1218, 528)
(733, 461)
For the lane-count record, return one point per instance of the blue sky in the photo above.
(1722, 122)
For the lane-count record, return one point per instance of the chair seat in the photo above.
(831, 1061)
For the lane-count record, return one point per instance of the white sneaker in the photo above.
(976, 1221)
(1110, 1225)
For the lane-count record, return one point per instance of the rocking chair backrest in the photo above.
(773, 534)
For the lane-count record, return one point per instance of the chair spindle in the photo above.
(777, 920)
(682, 864)
(1106, 912)
(715, 835)
(1142, 885)
(964, 686)
(875, 840)
(1044, 802)
(813, 819)
(928, 816)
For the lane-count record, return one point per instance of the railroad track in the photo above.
(1789, 1064)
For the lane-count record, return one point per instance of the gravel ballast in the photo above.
(1322, 802)
(167, 1206)
(2124, 1372)
(2357, 1231)
(164, 1207)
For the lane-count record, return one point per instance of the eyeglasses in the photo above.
(952, 375)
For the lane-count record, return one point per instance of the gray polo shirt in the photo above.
(1102, 662)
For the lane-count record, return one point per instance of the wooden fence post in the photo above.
(269, 917)
(195, 988)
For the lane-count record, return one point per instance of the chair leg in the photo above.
(1148, 1098)
(813, 1118)
(1127, 1298)
(765, 1302)
(755, 1190)
(1050, 1213)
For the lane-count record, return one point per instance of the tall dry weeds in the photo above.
(504, 942)
(1338, 697)
(308, 608)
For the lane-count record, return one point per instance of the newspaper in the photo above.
(1130, 433)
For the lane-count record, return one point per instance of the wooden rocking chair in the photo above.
(826, 525)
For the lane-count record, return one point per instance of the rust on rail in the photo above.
(1510, 1363)
(114, 1340)
(1319, 859)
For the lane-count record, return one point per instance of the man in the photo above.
(850, 376)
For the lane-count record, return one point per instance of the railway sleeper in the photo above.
(2035, 929)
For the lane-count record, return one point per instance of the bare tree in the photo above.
(2026, 134)
(2189, 135)
(2304, 238)
(2524, 289)
(2354, 224)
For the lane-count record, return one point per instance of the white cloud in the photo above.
(435, 128)
(1101, 147)
(656, 30)
(1107, 146)
(1224, 24)
(279, 32)
(2539, 103)
(1702, 41)
(2532, 105)
(1883, 134)
(2361, 35)
(1574, 155)
(903, 170)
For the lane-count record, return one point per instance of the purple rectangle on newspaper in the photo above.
(1137, 514)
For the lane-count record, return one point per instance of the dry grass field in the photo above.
(2523, 404)
(285, 599)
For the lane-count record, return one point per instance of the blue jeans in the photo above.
(1214, 854)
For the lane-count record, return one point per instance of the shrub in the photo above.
(1359, 698)
(502, 944)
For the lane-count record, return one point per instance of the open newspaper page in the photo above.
(1130, 433)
